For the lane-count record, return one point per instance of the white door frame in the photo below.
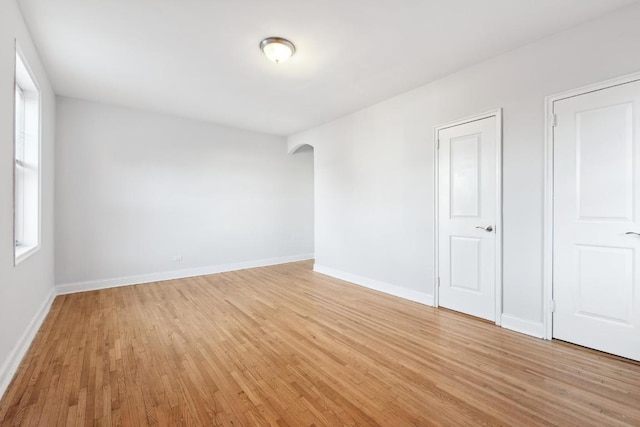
(498, 226)
(550, 121)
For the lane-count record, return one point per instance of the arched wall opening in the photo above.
(305, 153)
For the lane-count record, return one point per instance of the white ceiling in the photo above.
(200, 58)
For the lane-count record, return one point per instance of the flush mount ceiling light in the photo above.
(277, 49)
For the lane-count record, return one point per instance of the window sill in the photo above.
(24, 252)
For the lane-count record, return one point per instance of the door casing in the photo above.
(548, 220)
(498, 186)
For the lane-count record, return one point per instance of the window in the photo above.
(27, 162)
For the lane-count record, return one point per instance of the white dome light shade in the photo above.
(277, 49)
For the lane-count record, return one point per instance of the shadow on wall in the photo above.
(305, 148)
(302, 148)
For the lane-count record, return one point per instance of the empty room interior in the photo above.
(296, 213)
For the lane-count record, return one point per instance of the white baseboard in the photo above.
(535, 329)
(10, 366)
(376, 285)
(94, 285)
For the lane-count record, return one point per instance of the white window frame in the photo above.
(25, 82)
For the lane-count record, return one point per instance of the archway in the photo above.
(306, 153)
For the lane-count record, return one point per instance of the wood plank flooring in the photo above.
(285, 346)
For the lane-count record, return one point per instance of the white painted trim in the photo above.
(547, 290)
(94, 285)
(24, 253)
(436, 212)
(10, 366)
(397, 291)
(498, 228)
(535, 329)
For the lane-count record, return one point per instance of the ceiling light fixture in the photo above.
(277, 49)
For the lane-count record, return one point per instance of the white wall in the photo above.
(27, 289)
(135, 189)
(374, 168)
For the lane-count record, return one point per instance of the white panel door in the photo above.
(596, 265)
(467, 217)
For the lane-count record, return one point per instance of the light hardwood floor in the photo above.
(285, 346)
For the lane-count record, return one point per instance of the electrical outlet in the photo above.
(177, 258)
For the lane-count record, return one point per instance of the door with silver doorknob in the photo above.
(467, 200)
(596, 237)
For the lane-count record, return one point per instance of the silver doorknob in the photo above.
(632, 232)
(488, 228)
